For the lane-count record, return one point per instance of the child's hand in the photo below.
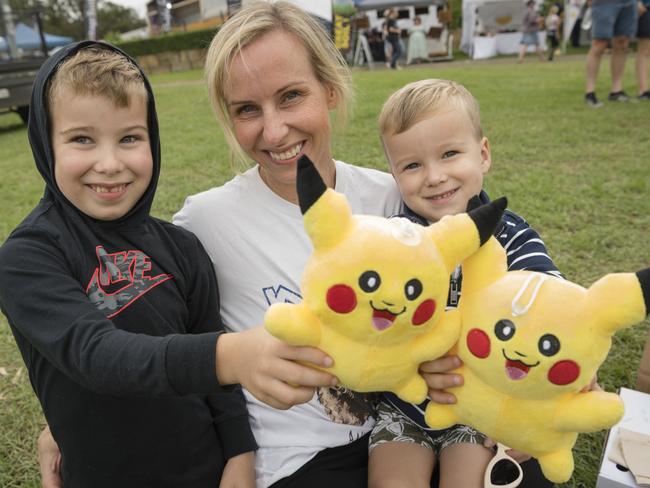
(239, 472)
(49, 460)
(435, 373)
(269, 368)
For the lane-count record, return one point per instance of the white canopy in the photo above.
(383, 4)
(490, 16)
(319, 8)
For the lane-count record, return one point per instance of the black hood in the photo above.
(40, 141)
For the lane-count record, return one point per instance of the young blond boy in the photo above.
(115, 312)
(433, 139)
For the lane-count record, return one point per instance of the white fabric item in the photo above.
(319, 8)
(259, 248)
(494, 17)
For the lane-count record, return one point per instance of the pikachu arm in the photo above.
(589, 412)
(439, 340)
(294, 324)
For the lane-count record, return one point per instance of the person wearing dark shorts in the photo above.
(643, 49)
(615, 21)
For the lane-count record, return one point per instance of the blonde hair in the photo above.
(249, 24)
(421, 99)
(96, 70)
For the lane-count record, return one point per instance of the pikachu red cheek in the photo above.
(424, 312)
(341, 299)
(564, 372)
(478, 343)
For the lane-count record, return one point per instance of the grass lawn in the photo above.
(580, 176)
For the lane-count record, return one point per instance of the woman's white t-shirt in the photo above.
(259, 248)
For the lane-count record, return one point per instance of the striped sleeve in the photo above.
(524, 248)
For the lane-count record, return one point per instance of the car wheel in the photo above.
(23, 112)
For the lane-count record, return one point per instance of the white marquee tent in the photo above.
(319, 8)
(499, 20)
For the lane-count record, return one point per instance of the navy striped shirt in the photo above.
(525, 250)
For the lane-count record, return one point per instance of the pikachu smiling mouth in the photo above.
(516, 369)
(382, 319)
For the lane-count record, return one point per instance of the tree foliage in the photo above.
(66, 17)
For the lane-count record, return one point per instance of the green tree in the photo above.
(66, 17)
(116, 18)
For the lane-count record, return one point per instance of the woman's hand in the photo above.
(270, 369)
(239, 472)
(436, 374)
(49, 460)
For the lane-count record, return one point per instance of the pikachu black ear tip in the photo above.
(309, 184)
(487, 217)
(474, 203)
(644, 280)
(304, 163)
(501, 203)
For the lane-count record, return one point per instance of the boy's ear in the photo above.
(486, 155)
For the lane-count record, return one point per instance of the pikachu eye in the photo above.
(549, 345)
(369, 281)
(504, 329)
(412, 289)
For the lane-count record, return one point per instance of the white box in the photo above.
(636, 418)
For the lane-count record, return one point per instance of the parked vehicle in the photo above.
(19, 61)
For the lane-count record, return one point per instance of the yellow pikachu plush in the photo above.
(529, 344)
(375, 289)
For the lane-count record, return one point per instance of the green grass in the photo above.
(580, 176)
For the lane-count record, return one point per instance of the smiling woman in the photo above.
(285, 117)
(274, 76)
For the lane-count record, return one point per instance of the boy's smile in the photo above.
(438, 163)
(102, 156)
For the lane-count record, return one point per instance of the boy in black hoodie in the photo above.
(116, 313)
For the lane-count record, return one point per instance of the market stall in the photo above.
(493, 27)
(434, 16)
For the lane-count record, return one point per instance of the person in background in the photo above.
(393, 35)
(613, 21)
(643, 49)
(531, 24)
(552, 22)
(417, 48)
(388, 48)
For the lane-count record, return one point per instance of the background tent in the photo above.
(319, 8)
(28, 39)
(500, 23)
(489, 16)
(383, 4)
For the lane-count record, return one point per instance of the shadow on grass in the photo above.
(5, 129)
